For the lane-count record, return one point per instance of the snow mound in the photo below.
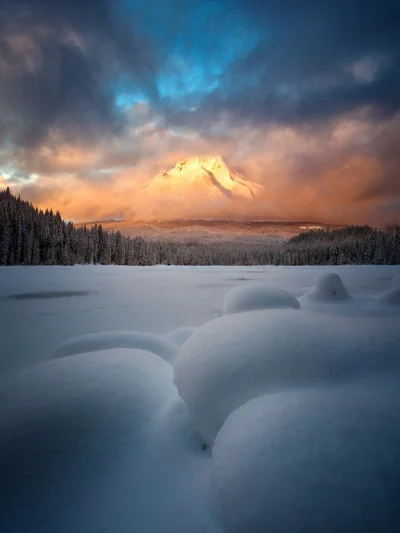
(249, 298)
(73, 440)
(325, 460)
(106, 340)
(179, 336)
(235, 358)
(396, 282)
(328, 288)
(390, 297)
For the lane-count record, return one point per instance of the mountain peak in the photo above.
(196, 185)
(198, 162)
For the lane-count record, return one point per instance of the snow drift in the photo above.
(249, 298)
(237, 357)
(117, 339)
(328, 288)
(69, 428)
(283, 418)
(320, 460)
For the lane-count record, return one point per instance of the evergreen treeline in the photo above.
(354, 245)
(29, 236)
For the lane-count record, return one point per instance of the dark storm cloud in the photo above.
(302, 94)
(60, 64)
(385, 148)
(313, 60)
(63, 62)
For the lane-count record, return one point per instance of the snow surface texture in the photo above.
(237, 357)
(328, 288)
(86, 444)
(302, 404)
(179, 336)
(391, 297)
(64, 420)
(241, 299)
(149, 299)
(117, 339)
(322, 460)
(396, 282)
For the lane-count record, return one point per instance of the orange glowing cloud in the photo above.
(327, 174)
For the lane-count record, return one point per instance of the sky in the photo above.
(302, 96)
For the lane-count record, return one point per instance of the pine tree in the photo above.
(5, 234)
(31, 237)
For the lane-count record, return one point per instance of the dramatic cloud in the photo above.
(344, 172)
(98, 95)
(61, 63)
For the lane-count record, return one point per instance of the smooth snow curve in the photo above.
(328, 288)
(322, 460)
(283, 415)
(73, 437)
(106, 340)
(245, 298)
(237, 357)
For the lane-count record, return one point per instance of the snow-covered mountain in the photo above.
(197, 188)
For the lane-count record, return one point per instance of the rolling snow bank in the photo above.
(235, 358)
(244, 298)
(322, 460)
(271, 418)
(69, 428)
(106, 340)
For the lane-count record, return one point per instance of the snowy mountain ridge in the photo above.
(213, 172)
(196, 188)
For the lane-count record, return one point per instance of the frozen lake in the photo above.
(288, 383)
(43, 306)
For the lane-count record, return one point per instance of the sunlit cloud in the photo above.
(334, 174)
(99, 96)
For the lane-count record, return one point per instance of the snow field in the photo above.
(71, 427)
(237, 357)
(280, 415)
(312, 460)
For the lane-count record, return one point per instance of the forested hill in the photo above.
(360, 245)
(32, 237)
(29, 236)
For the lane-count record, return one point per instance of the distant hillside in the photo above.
(29, 236)
(32, 237)
(207, 231)
(349, 245)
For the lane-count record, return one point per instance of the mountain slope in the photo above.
(197, 188)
